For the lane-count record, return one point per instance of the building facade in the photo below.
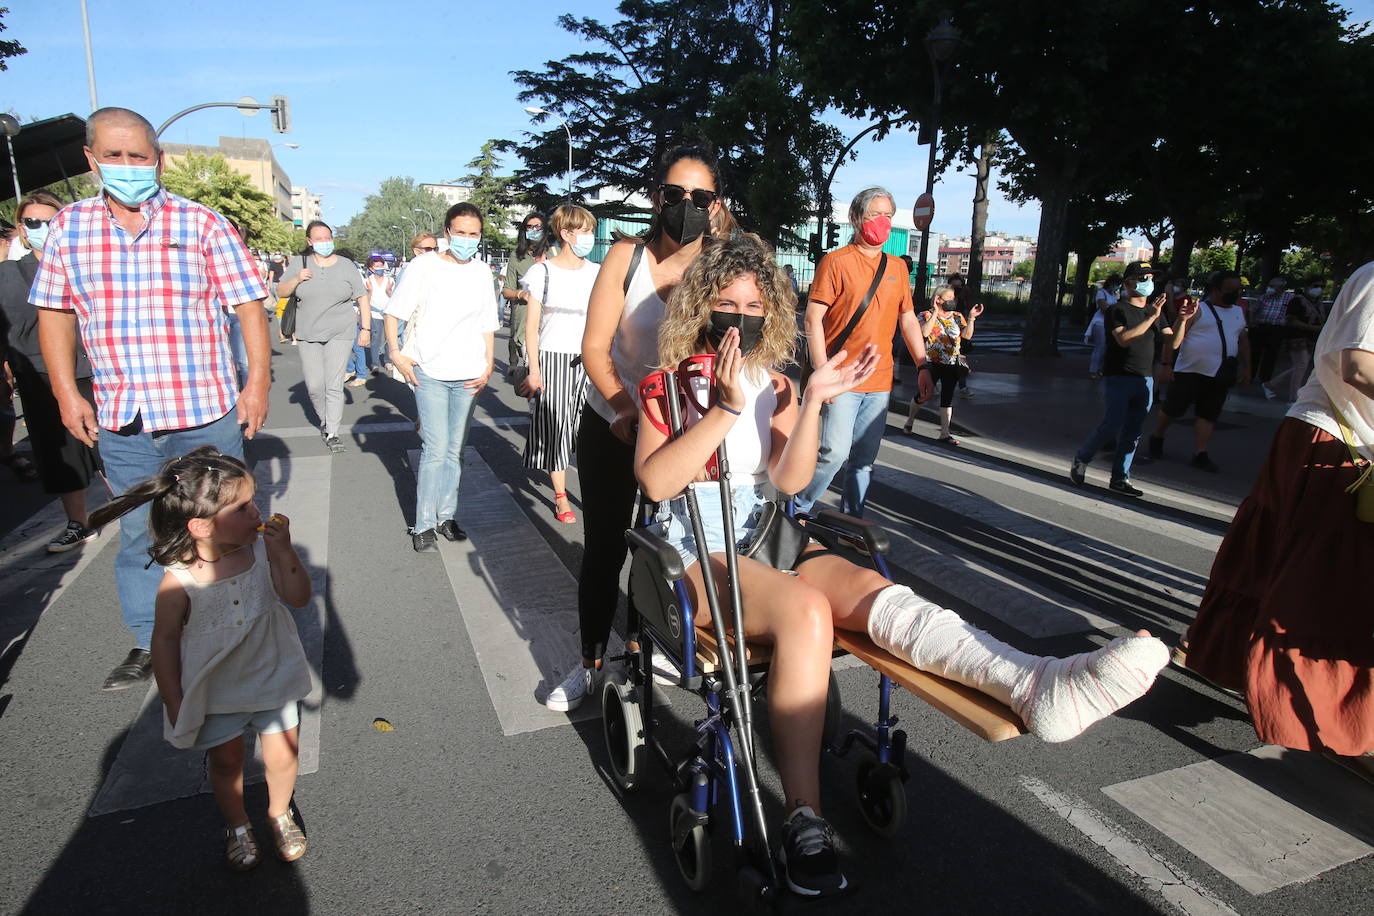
(251, 157)
(1001, 254)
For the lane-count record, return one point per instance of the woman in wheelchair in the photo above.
(736, 303)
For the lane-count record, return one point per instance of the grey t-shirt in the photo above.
(325, 309)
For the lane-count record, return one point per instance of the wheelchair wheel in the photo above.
(692, 845)
(882, 795)
(624, 733)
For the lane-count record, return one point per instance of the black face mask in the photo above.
(1231, 298)
(684, 222)
(750, 329)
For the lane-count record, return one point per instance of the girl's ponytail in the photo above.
(130, 500)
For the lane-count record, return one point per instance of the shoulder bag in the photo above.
(288, 312)
(1230, 366)
(806, 367)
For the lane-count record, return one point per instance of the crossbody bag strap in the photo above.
(635, 258)
(863, 307)
(1217, 319)
(1356, 458)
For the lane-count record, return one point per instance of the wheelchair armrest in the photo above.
(660, 551)
(855, 530)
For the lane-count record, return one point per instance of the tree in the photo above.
(1217, 257)
(208, 180)
(492, 194)
(388, 219)
(674, 71)
(8, 47)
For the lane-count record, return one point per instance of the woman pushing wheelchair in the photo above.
(734, 302)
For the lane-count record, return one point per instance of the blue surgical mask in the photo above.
(37, 237)
(584, 244)
(1145, 286)
(129, 184)
(534, 234)
(323, 249)
(463, 249)
(379, 270)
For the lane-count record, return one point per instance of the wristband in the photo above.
(923, 366)
(728, 409)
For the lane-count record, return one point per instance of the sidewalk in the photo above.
(1050, 406)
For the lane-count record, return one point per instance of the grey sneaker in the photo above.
(576, 687)
(424, 540)
(74, 535)
(335, 444)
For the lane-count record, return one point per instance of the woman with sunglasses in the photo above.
(65, 465)
(619, 348)
(736, 303)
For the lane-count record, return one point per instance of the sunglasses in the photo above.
(428, 248)
(674, 193)
(33, 222)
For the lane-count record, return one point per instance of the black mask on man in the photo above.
(750, 329)
(684, 222)
(1230, 298)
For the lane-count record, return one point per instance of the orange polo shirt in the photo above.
(842, 278)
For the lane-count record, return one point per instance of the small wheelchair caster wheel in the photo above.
(882, 796)
(623, 729)
(691, 842)
(757, 895)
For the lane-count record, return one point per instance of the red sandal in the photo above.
(568, 517)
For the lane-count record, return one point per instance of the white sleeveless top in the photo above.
(240, 651)
(749, 443)
(377, 295)
(634, 349)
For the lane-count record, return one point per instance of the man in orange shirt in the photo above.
(852, 424)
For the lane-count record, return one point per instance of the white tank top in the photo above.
(634, 349)
(377, 295)
(749, 443)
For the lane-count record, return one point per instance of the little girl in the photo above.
(226, 654)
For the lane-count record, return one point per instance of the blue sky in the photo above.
(372, 96)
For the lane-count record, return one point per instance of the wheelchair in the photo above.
(715, 778)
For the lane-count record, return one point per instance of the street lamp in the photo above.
(402, 230)
(941, 44)
(429, 216)
(542, 111)
(10, 125)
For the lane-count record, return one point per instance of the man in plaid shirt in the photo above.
(1269, 326)
(144, 277)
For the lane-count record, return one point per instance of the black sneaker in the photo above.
(808, 858)
(135, 669)
(74, 535)
(1078, 472)
(1156, 447)
(450, 530)
(1203, 463)
(424, 540)
(1123, 486)
(335, 444)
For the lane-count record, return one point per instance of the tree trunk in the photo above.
(1038, 337)
(980, 220)
(1081, 278)
(1185, 240)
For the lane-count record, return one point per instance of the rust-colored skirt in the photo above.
(1288, 615)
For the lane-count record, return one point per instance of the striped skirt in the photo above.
(555, 412)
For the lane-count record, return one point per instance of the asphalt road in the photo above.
(476, 804)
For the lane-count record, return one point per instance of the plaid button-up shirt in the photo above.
(1272, 308)
(151, 307)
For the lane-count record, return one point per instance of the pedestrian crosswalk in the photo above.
(998, 340)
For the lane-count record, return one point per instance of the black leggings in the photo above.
(947, 377)
(605, 468)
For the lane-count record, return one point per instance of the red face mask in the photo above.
(875, 231)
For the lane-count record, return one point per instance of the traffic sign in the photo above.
(923, 212)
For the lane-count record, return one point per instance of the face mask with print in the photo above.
(750, 329)
(586, 241)
(463, 249)
(323, 249)
(131, 185)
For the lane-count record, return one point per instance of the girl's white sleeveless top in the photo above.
(634, 349)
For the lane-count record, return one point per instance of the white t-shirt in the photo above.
(456, 306)
(1350, 326)
(1201, 350)
(1103, 296)
(563, 317)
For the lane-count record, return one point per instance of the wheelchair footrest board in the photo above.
(977, 712)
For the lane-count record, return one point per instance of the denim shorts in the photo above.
(674, 526)
(221, 727)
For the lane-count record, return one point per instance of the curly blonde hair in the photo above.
(683, 332)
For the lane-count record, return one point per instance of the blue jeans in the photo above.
(1128, 400)
(132, 455)
(380, 358)
(238, 347)
(357, 363)
(445, 411)
(851, 432)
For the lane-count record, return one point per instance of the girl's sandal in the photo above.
(290, 837)
(242, 849)
(568, 517)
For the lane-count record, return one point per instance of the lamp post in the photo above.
(429, 216)
(10, 125)
(402, 230)
(541, 111)
(940, 46)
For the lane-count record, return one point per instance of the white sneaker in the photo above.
(575, 688)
